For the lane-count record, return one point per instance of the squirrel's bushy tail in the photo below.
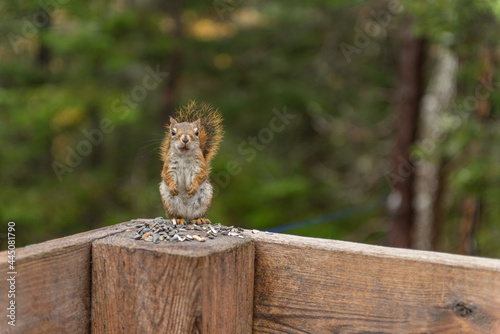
(211, 121)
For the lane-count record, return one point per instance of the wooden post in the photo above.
(328, 286)
(52, 284)
(299, 285)
(188, 287)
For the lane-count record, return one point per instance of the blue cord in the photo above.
(332, 216)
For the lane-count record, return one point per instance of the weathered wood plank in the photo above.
(52, 284)
(188, 287)
(308, 285)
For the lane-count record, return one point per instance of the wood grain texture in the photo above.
(187, 287)
(52, 284)
(308, 285)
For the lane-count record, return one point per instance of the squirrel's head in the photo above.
(184, 136)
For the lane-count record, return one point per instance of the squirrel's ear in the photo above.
(197, 122)
(172, 121)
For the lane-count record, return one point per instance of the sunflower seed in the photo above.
(160, 229)
(156, 237)
(198, 238)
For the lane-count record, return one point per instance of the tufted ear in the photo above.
(172, 121)
(198, 122)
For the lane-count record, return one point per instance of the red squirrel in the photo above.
(189, 146)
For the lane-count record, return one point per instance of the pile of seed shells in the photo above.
(163, 230)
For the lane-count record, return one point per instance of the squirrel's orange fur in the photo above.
(211, 127)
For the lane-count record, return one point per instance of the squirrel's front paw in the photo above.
(173, 190)
(192, 190)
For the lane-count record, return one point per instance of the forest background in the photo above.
(367, 121)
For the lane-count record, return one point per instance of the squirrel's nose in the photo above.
(185, 140)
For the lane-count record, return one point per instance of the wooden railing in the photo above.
(104, 282)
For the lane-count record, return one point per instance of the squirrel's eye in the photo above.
(173, 132)
(196, 133)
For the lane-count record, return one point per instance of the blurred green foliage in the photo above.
(60, 81)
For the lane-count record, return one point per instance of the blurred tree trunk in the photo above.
(430, 173)
(472, 205)
(411, 80)
(468, 223)
(437, 206)
(42, 60)
(175, 63)
(44, 52)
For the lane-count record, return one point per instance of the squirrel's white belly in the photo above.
(185, 173)
(183, 205)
